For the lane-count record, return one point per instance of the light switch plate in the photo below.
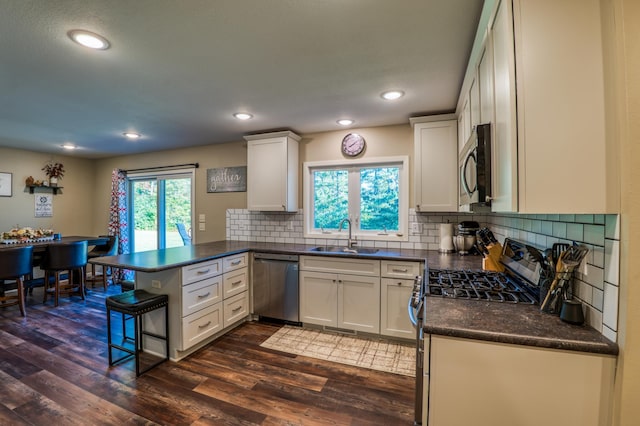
(201, 226)
(201, 217)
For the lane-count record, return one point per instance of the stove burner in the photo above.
(477, 285)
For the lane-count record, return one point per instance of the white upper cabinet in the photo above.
(548, 87)
(485, 85)
(435, 164)
(474, 103)
(504, 154)
(560, 90)
(272, 172)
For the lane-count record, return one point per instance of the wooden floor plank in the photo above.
(54, 370)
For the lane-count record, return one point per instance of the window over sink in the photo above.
(371, 193)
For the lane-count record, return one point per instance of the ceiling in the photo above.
(177, 70)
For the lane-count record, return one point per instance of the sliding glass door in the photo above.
(159, 205)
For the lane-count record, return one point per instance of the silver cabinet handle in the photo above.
(237, 282)
(237, 309)
(203, 271)
(400, 270)
(205, 325)
(237, 262)
(202, 296)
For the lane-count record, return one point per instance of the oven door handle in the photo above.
(412, 311)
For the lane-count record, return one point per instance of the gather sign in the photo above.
(227, 179)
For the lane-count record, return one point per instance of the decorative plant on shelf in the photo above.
(54, 171)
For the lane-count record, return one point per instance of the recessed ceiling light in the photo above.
(89, 39)
(132, 135)
(69, 146)
(392, 94)
(345, 122)
(243, 116)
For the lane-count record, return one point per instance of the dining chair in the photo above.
(184, 234)
(67, 257)
(15, 264)
(110, 248)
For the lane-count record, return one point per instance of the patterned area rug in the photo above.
(363, 352)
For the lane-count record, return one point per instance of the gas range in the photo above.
(478, 285)
(517, 284)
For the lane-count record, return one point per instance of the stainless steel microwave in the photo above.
(475, 169)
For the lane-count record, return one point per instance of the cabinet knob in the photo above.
(399, 283)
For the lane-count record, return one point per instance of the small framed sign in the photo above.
(6, 182)
(227, 179)
(44, 205)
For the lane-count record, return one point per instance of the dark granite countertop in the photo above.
(159, 260)
(511, 323)
(489, 321)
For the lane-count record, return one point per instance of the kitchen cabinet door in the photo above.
(272, 172)
(506, 385)
(436, 166)
(319, 298)
(359, 303)
(485, 83)
(394, 319)
(562, 137)
(474, 104)
(505, 137)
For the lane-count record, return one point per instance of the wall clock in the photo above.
(353, 144)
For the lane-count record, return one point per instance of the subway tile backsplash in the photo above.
(595, 281)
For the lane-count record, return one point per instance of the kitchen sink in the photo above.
(341, 249)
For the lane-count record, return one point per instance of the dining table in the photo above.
(39, 248)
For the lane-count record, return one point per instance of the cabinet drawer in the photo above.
(201, 271)
(368, 267)
(236, 308)
(235, 282)
(400, 269)
(232, 263)
(201, 325)
(201, 294)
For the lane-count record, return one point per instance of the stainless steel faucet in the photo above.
(350, 242)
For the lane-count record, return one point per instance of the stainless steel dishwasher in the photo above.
(275, 287)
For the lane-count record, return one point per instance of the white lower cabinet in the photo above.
(505, 385)
(236, 308)
(358, 294)
(359, 303)
(344, 300)
(200, 325)
(396, 287)
(319, 298)
(204, 299)
(394, 318)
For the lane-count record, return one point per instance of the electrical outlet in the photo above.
(290, 225)
(201, 226)
(201, 217)
(416, 228)
(156, 284)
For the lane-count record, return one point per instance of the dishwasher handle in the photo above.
(275, 256)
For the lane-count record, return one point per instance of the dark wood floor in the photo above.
(53, 370)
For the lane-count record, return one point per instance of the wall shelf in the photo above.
(32, 188)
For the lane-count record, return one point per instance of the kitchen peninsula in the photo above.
(166, 271)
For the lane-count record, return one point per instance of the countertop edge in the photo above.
(524, 340)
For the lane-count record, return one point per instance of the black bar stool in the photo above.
(136, 303)
(15, 263)
(65, 257)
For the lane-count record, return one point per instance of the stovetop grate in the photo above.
(477, 285)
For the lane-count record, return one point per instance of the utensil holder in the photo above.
(561, 292)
